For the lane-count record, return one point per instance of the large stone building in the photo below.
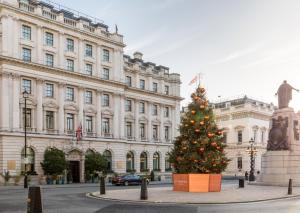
(243, 118)
(76, 75)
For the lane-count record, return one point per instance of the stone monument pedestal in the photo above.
(281, 162)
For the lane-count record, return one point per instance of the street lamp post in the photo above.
(25, 96)
(252, 152)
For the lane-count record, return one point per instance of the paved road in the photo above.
(73, 200)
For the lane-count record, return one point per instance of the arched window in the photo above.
(167, 163)
(143, 162)
(107, 155)
(156, 161)
(89, 151)
(30, 156)
(129, 162)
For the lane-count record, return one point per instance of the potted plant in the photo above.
(54, 164)
(94, 164)
(198, 155)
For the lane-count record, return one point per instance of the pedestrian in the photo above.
(246, 175)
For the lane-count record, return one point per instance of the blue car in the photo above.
(127, 180)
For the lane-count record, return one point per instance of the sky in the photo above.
(239, 46)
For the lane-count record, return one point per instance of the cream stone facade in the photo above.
(243, 118)
(76, 74)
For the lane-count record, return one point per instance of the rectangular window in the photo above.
(70, 94)
(240, 136)
(262, 137)
(129, 129)
(105, 125)
(154, 109)
(49, 120)
(105, 100)
(255, 135)
(155, 132)
(106, 55)
(26, 32)
(167, 137)
(88, 50)
(70, 45)
(49, 60)
(26, 54)
(26, 84)
(128, 81)
(128, 106)
(154, 87)
(89, 124)
(49, 90)
(166, 90)
(70, 122)
(28, 118)
(240, 163)
(142, 130)
(49, 39)
(167, 112)
(224, 137)
(88, 69)
(70, 65)
(105, 74)
(88, 97)
(142, 84)
(142, 107)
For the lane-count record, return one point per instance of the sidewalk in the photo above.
(75, 185)
(230, 194)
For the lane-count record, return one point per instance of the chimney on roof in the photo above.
(138, 55)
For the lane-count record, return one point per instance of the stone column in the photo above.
(161, 129)
(162, 87)
(16, 102)
(122, 116)
(116, 105)
(149, 124)
(80, 55)
(80, 102)
(118, 73)
(61, 49)
(98, 116)
(6, 36)
(177, 118)
(173, 119)
(150, 83)
(39, 57)
(136, 117)
(61, 111)
(39, 108)
(4, 101)
(16, 36)
(98, 69)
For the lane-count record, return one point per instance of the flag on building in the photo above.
(79, 132)
(194, 80)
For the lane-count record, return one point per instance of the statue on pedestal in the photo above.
(284, 95)
(278, 139)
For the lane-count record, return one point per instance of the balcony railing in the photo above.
(89, 28)
(70, 22)
(90, 134)
(70, 132)
(26, 7)
(107, 135)
(51, 131)
(49, 15)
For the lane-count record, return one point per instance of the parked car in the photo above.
(127, 180)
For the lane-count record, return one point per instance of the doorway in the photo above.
(75, 171)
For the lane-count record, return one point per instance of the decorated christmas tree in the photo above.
(199, 149)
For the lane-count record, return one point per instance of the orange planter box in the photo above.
(197, 182)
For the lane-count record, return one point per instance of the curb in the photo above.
(90, 195)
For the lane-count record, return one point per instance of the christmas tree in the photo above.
(199, 149)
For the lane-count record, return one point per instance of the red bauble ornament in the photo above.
(193, 112)
(206, 117)
(194, 142)
(192, 121)
(214, 144)
(197, 130)
(201, 123)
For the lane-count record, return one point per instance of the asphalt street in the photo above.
(74, 200)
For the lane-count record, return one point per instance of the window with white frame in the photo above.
(70, 65)
(28, 118)
(49, 39)
(105, 55)
(105, 126)
(88, 50)
(167, 133)
(128, 81)
(49, 60)
(128, 105)
(49, 120)
(142, 84)
(154, 87)
(70, 94)
(142, 107)
(129, 129)
(167, 112)
(26, 85)
(240, 163)
(49, 90)
(26, 32)
(240, 136)
(88, 97)
(155, 132)
(154, 109)
(89, 124)
(70, 45)
(166, 90)
(89, 69)
(142, 131)
(26, 54)
(105, 100)
(105, 73)
(70, 122)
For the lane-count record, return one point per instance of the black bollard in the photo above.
(34, 201)
(241, 183)
(144, 190)
(290, 189)
(102, 185)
